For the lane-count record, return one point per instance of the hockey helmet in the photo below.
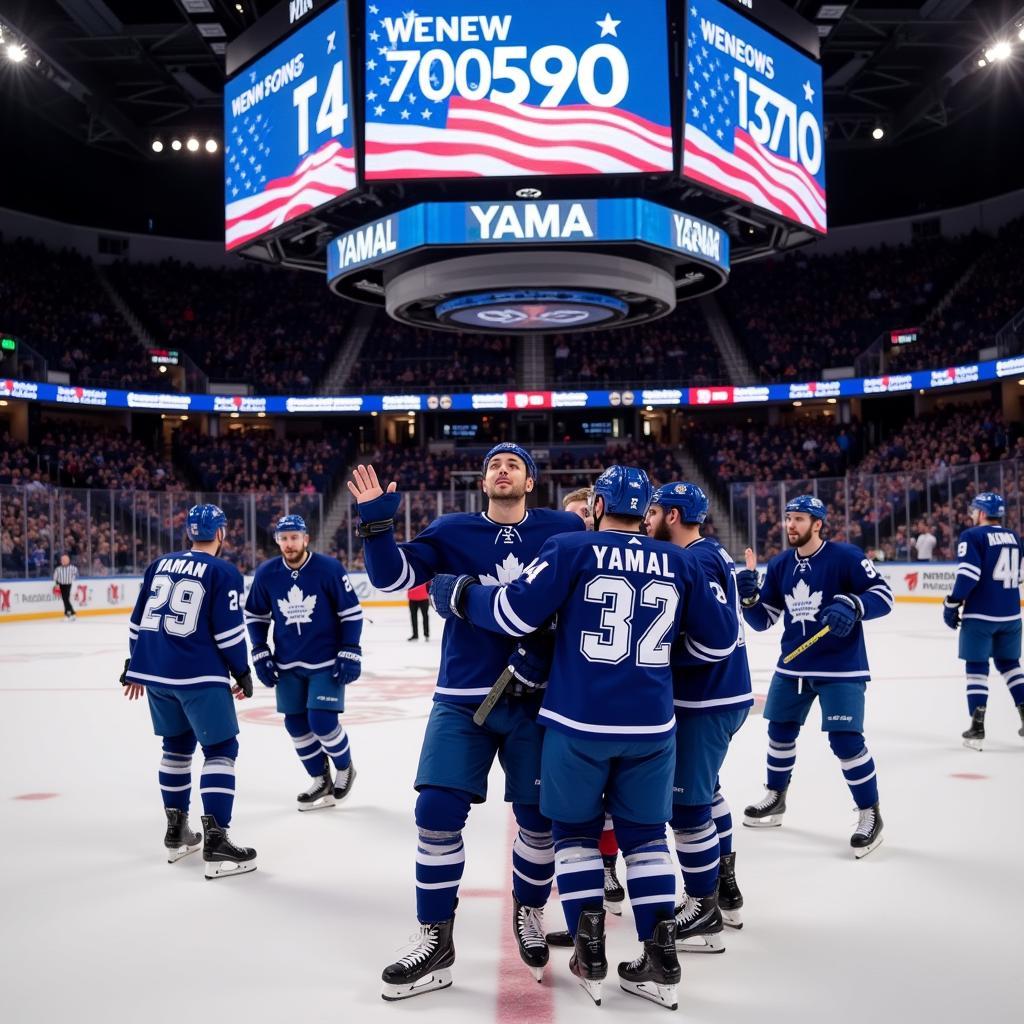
(689, 499)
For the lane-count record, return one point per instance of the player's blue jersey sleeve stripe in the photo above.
(351, 613)
(229, 632)
(505, 605)
(405, 577)
(240, 639)
(699, 650)
(500, 619)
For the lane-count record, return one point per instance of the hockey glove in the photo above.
(748, 587)
(842, 614)
(243, 680)
(951, 613)
(378, 515)
(530, 663)
(263, 663)
(124, 672)
(348, 664)
(448, 594)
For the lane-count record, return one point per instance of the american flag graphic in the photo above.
(412, 137)
(721, 154)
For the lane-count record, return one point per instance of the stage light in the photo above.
(175, 144)
(878, 133)
(982, 63)
(158, 146)
(998, 51)
(16, 53)
(163, 369)
(211, 146)
(1020, 34)
(192, 145)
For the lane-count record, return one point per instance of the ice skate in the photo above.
(343, 782)
(698, 926)
(730, 899)
(655, 974)
(562, 939)
(614, 894)
(528, 928)
(588, 962)
(427, 965)
(766, 813)
(974, 737)
(1020, 711)
(321, 791)
(179, 839)
(868, 833)
(224, 859)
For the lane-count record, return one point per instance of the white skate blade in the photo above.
(769, 821)
(228, 868)
(863, 851)
(176, 853)
(429, 983)
(614, 908)
(538, 974)
(701, 944)
(974, 744)
(592, 988)
(732, 919)
(317, 805)
(663, 995)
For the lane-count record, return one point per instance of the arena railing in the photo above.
(109, 533)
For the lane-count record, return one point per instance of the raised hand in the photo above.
(747, 583)
(364, 485)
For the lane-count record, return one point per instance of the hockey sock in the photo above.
(609, 845)
(1014, 676)
(332, 736)
(858, 766)
(977, 684)
(307, 746)
(217, 783)
(580, 873)
(440, 856)
(697, 848)
(781, 753)
(533, 856)
(723, 822)
(176, 770)
(650, 875)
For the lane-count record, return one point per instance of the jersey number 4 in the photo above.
(183, 599)
(1007, 568)
(613, 641)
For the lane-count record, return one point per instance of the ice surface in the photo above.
(96, 926)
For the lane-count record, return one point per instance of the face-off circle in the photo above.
(531, 310)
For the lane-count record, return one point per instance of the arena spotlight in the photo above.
(175, 144)
(16, 53)
(158, 146)
(1020, 33)
(211, 146)
(192, 145)
(878, 133)
(982, 63)
(998, 51)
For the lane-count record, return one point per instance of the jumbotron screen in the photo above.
(288, 132)
(503, 88)
(753, 124)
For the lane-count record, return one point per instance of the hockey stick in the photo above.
(810, 642)
(495, 694)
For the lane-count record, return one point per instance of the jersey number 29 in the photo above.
(613, 641)
(183, 598)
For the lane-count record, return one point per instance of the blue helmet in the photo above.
(291, 524)
(991, 504)
(204, 521)
(810, 504)
(689, 499)
(625, 489)
(511, 448)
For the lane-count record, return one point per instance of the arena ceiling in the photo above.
(103, 78)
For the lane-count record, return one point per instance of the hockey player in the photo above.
(815, 584)
(456, 756)
(186, 641)
(712, 703)
(986, 596)
(622, 601)
(578, 501)
(318, 622)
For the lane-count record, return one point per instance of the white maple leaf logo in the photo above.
(296, 608)
(508, 572)
(803, 605)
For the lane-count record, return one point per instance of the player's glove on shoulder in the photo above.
(448, 594)
(378, 516)
(748, 587)
(951, 613)
(348, 664)
(263, 663)
(842, 614)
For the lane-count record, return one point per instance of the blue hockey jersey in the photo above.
(799, 589)
(623, 603)
(722, 684)
(186, 628)
(988, 574)
(314, 610)
(474, 545)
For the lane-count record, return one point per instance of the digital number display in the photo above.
(502, 89)
(288, 133)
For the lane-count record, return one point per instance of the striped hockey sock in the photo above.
(698, 851)
(977, 685)
(440, 861)
(580, 873)
(722, 816)
(651, 883)
(307, 746)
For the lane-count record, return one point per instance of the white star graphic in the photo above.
(405, 115)
(374, 36)
(411, 97)
(381, 50)
(371, 65)
(385, 79)
(608, 27)
(693, 12)
(425, 113)
(378, 110)
(719, 133)
(234, 191)
(695, 111)
(371, 96)
(808, 92)
(374, 9)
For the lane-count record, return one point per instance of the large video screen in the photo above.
(498, 88)
(753, 118)
(288, 132)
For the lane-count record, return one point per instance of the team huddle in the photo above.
(599, 653)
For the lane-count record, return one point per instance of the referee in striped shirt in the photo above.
(64, 576)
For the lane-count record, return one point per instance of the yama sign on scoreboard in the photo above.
(753, 116)
(288, 129)
(503, 88)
